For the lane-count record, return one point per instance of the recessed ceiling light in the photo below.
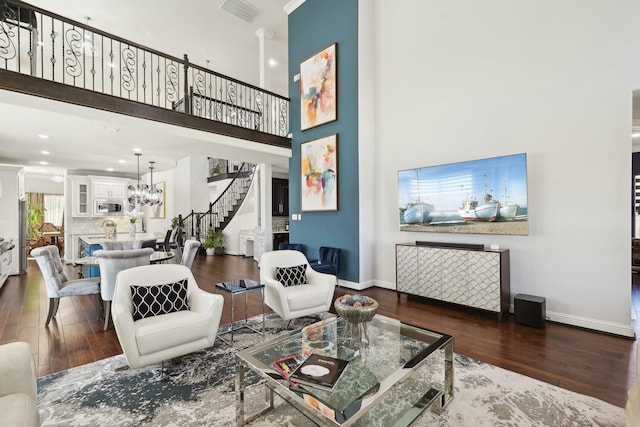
(110, 169)
(138, 150)
(635, 134)
(43, 136)
(45, 152)
(44, 163)
(122, 161)
(57, 178)
(272, 62)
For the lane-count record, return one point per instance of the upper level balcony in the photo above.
(47, 55)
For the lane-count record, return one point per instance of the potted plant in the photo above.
(216, 170)
(209, 241)
(218, 242)
(35, 215)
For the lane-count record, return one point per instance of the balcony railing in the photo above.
(51, 47)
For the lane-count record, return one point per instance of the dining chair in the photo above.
(56, 281)
(165, 245)
(111, 263)
(189, 252)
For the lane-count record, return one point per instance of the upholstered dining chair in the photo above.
(112, 262)
(58, 285)
(111, 245)
(159, 313)
(292, 288)
(189, 252)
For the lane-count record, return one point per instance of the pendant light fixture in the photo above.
(154, 195)
(139, 193)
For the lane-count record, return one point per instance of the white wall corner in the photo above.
(292, 5)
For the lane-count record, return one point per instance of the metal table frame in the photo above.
(433, 398)
(235, 287)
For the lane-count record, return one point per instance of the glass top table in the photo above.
(156, 257)
(236, 287)
(391, 380)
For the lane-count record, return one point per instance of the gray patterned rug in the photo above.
(199, 391)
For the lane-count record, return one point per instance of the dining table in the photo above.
(156, 257)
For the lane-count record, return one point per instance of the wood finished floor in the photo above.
(583, 361)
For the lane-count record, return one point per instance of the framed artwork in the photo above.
(319, 174)
(318, 102)
(160, 211)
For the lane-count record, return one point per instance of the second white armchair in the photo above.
(298, 300)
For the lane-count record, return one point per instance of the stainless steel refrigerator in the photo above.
(22, 237)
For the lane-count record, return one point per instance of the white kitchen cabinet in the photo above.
(80, 197)
(5, 266)
(109, 190)
(474, 278)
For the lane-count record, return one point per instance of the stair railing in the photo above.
(42, 44)
(224, 208)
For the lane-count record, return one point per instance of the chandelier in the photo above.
(154, 195)
(140, 192)
(144, 194)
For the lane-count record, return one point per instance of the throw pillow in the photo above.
(292, 276)
(159, 299)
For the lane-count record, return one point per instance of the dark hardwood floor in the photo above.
(587, 362)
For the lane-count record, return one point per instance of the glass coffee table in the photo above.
(401, 371)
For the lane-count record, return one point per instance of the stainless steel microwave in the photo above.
(108, 208)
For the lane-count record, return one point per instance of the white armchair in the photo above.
(17, 386)
(165, 336)
(290, 302)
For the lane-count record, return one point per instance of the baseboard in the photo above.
(354, 285)
(598, 325)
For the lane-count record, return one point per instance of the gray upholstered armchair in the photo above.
(291, 300)
(159, 313)
(113, 262)
(189, 252)
(58, 285)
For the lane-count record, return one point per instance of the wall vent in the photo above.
(242, 9)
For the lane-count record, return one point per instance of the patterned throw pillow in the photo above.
(159, 299)
(292, 276)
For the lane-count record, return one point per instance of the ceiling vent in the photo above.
(242, 9)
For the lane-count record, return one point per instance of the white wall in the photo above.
(463, 80)
(9, 195)
(38, 184)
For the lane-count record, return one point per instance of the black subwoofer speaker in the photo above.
(530, 310)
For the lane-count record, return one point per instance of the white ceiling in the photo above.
(91, 140)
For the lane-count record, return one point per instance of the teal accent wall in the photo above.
(313, 26)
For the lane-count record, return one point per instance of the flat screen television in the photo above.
(487, 196)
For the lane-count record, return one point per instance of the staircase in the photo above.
(222, 211)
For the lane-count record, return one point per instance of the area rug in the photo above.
(198, 390)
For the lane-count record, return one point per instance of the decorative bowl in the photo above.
(354, 314)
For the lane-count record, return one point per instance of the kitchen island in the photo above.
(89, 243)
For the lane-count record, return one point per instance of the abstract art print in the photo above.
(487, 196)
(318, 102)
(319, 174)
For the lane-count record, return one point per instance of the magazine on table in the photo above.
(287, 365)
(320, 371)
